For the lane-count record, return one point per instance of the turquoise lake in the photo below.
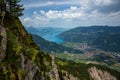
(53, 38)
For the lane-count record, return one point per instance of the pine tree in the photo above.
(2, 5)
(14, 7)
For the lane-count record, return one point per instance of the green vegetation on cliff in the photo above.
(22, 54)
(80, 70)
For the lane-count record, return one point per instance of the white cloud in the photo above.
(73, 16)
(115, 14)
(45, 4)
(82, 3)
(85, 4)
(42, 17)
(38, 4)
(103, 2)
(72, 12)
(27, 20)
(50, 3)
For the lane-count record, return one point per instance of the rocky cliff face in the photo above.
(98, 74)
(68, 76)
(29, 67)
(54, 71)
(3, 42)
(20, 59)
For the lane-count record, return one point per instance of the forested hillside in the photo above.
(103, 37)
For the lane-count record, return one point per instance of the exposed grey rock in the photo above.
(97, 74)
(3, 43)
(2, 15)
(29, 67)
(54, 72)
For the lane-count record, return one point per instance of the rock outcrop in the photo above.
(54, 72)
(68, 76)
(97, 74)
(29, 67)
(3, 43)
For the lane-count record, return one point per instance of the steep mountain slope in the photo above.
(22, 58)
(95, 36)
(51, 47)
(23, 61)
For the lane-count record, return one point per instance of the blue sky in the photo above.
(70, 13)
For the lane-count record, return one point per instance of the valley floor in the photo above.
(91, 55)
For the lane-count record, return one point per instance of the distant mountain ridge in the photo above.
(44, 30)
(48, 33)
(32, 30)
(103, 37)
